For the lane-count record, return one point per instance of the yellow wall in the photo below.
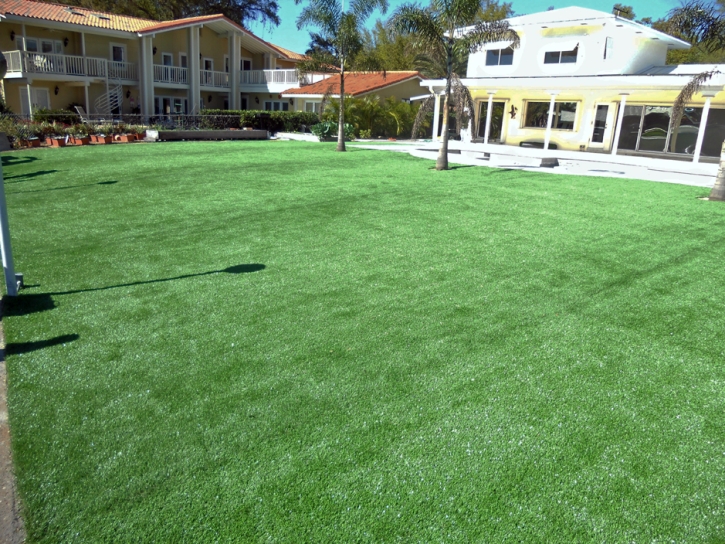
(514, 132)
(212, 46)
(173, 42)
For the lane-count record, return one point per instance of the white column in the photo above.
(620, 119)
(549, 119)
(146, 71)
(87, 101)
(436, 116)
(703, 126)
(194, 70)
(488, 116)
(30, 101)
(11, 283)
(22, 31)
(234, 61)
(83, 44)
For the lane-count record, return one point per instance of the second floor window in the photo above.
(561, 57)
(500, 57)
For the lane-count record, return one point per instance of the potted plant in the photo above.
(79, 135)
(58, 135)
(104, 135)
(28, 135)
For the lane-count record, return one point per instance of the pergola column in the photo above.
(620, 119)
(194, 70)
(488, 116)
(146, 100)
(234, 62)
(703, 124)
(550, 118)
(436, 116)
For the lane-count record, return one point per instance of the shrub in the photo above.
(65, 117)
(276, 121)
(328, 129)
(366, 134)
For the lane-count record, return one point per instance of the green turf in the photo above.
(473, 355)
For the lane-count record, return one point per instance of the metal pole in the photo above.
(11, 283)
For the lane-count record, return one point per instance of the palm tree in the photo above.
(438, 29)
(343, 30)
(702, 24)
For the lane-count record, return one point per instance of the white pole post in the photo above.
(552, 105)
(488, 116)
(703, 126)
(620, 119)
(436, 116)
(11, 284)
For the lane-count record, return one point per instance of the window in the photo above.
(118, 53)
(183, 60)
(226, 63)
(312, 107)
(537, 115)
(31, 44)
(561, 57)
(608, 48)
(246, 65)
(167, 59)
(500, 57)
(274, 105)
(245, 105)
(209, 65)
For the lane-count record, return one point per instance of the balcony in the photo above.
(27, 62)
(276, 80)
(214, 79)
(171, 74)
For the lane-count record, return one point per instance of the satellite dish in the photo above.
(3, 65)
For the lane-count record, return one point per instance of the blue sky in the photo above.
(287, 35)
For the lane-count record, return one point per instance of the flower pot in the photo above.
(57, 142)
(126, 138)
(85, 140)
(32, 142)
(99, 139)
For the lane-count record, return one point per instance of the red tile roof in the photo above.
(356, 83)
(158, 26)
(73, 15)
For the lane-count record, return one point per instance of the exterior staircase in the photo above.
(110, 101)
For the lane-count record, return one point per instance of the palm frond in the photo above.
(462, 102)
(365, 8)
(698, 22)
(485, 32)
(420, 23)
(686, 94)
(426, 107)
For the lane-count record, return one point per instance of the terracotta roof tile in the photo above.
(158, 26)
(291, 55)
(73, 15)
(356, 83)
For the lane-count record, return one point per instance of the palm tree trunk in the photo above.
(442, 160)
(718, 191)
(341, 116)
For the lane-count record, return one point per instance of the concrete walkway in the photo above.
(570, 162)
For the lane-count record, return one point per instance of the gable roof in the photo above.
(356, 83)
(72, 15)
(290, 55)
(159, 26)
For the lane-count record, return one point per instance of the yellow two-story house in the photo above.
(62, 55)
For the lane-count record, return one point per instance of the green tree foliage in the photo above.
(493, 10)
(436, 31)
(241, 11)
(379, 118)
(339, 27)
(703, 25)
(624, 11)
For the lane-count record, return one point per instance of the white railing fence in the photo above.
(170, 74)
(71, 65)
(210, 78)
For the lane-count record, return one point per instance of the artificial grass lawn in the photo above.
(406, 355)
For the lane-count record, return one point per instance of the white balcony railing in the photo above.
(171, 74)
(288, 78)
(46, 63)
(122, 70)
(210, 78)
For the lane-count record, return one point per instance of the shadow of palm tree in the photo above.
(17, 348)
(61, 188)
(7, 160)
(30, 175)
(237, 269)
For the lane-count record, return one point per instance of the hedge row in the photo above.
(273, 121)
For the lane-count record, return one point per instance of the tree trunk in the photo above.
(718, 191)
(341, 116)
(442, 160)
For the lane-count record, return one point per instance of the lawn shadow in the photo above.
(25, 304)
(23, 177)
(237, 269)
(61, 188)
(8, 160)
(17, 348)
